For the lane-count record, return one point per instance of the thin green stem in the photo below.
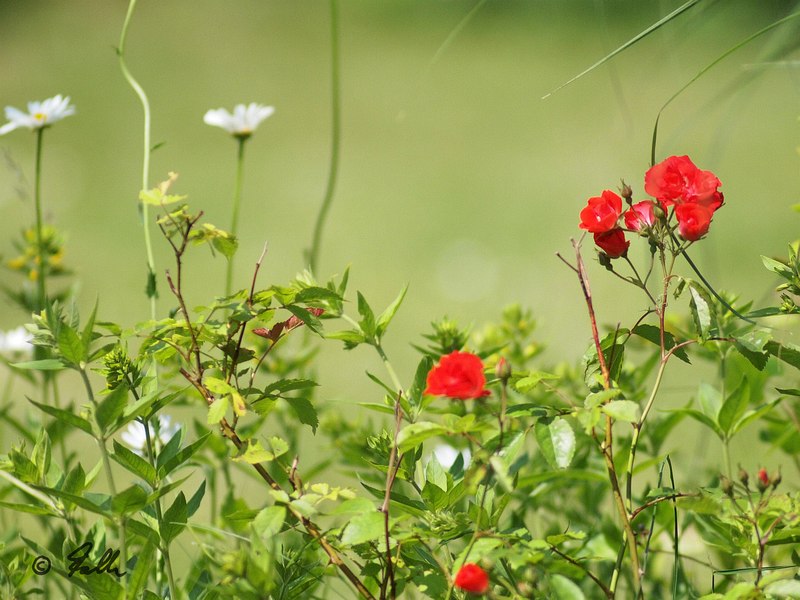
(237, 199)
(395, 380)
(333, 171)
(41, 286)
(151, 263)
(151, 455)
(101, 444)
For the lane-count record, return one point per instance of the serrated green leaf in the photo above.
(70, 345)
(651, 333)
(181, 456)
(269, 522)
(701, 311)
(305, 411)
(777, 267)
(134, 463)
(415, 434)
(622, 410)
(363, 528)
(531, 380)
(129, 500)
(217, 410)
(367, 323)
(556, 441)
(788, 353)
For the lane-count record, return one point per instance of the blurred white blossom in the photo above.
(135, 438)
(447, 455)
(242, 122)
(16, 340)
(39, 115)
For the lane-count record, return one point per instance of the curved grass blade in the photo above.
(702, 72)
(681, 9)
(453, 35)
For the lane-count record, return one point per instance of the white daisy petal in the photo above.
(242, 121)
(16, 340)
(39, 115)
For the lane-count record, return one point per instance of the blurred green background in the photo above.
(456, 177)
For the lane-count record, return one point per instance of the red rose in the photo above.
(471, 578)
(693, 220)
(677, 179)
(601, 213)
(458, 375)
(640, 216)
(613, 242)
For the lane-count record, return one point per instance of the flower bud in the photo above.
(626, 192)
(502, 370)
(726, 485)
(763, 480)
(743, 477)
(776, 479)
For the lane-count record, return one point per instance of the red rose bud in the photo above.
(613, 242)
(677, 179)
(763, 479)
(471, 578)
(640, 216)
(626, 192)
(743, 476)
(457, 375)
(601, 213)
(693, 220)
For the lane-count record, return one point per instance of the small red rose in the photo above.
(613, 242)
(693, 220)
(458, 375)
(677, 180)
(601, 213)
(471, 578)
(640, 216)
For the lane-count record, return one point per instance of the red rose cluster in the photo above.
(675, 183)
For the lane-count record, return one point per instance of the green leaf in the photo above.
(710, 400)
(363, 528)
(415, 434)
(145, 565)
(111, 408)
(196, 499)
(387, 315)
(134, 463)
(217, 410)
(556, 441)
(701, 311)
(531, 380)
(312, 322)
(597, 398)
(367, 323)
(653, 334)
(305, 411)
(350, 337)
(622, 410)
(565, 589)
(703, 418)
(734, 406)
(174, 519)
(181, 457)
(70, 345)
(47, 364)
(129, 500)
(41, 454)
(256, 453)
(753, 415)
(88, 329)
(65, 415)
(784, 588)
(788, 353)
(269, 522)
(777, 267)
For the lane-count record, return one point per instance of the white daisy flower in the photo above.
(39, 115)
(135, 438)
(244, 120)
(16, 340)
(447, 455)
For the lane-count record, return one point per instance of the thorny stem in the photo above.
(606, 447)
(101, 444)
(333, 171)
(151, 264)
(237, 199)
